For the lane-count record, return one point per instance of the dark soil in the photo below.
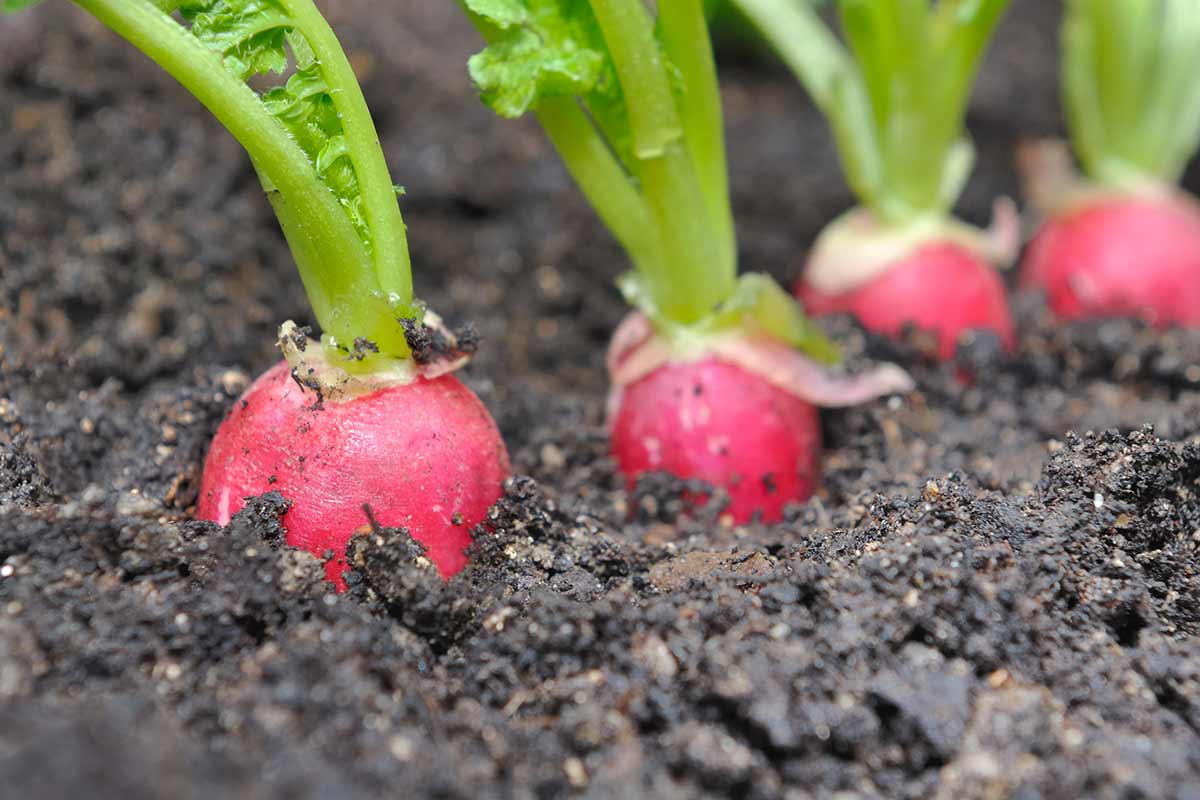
(979, 604)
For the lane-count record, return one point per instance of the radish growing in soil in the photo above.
(369, 417)
(895, 95)
(715, 377)
(1125, 243)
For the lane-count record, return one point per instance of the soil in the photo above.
(978, 604)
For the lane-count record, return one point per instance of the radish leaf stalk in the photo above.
(895, 93)
(311, 140)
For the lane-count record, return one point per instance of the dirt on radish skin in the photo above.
(425, 457)
(1127, 256)
(942, 288)
(712, 421)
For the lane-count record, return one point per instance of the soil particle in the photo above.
(977, 603)
(21, 482)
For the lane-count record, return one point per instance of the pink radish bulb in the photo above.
(737, 410)
(714, 421)
(1133, 255)
(941, 287)
(424, 456)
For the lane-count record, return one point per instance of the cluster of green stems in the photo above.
(895, 93)
(1131, 85)
(670, 208)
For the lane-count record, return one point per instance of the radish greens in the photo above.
(1132, 96)
(632, 106)
(895, 93)
(311, 140)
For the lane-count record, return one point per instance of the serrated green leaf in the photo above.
(514, 74)
(333, 150)
(259, 54)
(540, 49)
(501, 13)
(546, 48)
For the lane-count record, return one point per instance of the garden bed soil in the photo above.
(978, 603)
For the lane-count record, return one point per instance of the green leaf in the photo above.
(515, 73)
(258, 37)
(541, 49)
(501, 13)
(759, 302)
(545, 48)
(258, 54)
(17, 5)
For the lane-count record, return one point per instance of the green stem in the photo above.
(833, 81)
(1121, 52)
(689, 48)
(698, 277)
(393, 267)
(1129, 81)
(805, 44)
(337, 272)
(603, 181)
(1174, 101)
(630, 37)
(895, 94)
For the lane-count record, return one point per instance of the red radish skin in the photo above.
(1131, 256)
(716, 422)
(941, 287)
(425, 456)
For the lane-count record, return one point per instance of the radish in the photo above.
(421, 454)
(366, 425)
(715, 377)
(896, 97)
(1125, 242)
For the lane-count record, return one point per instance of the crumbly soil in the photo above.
(978, 604)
